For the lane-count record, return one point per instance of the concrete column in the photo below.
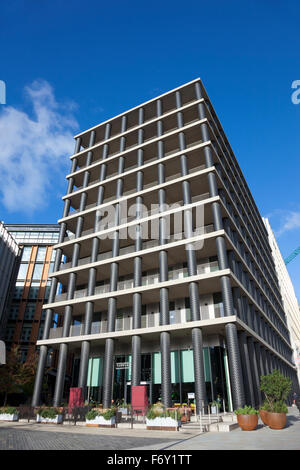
(246, 366)
(63, 350)
(163, 275)
(36, 397)
(114, 274)
(89, 306)
(200, 389)
(255, 371)
(137, 266)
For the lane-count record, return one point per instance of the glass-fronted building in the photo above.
(25, 318)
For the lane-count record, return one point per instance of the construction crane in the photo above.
(292, 255)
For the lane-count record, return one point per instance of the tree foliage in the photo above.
(16, 375)
(276, 388)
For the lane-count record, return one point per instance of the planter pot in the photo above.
(264, 416)
(56, 420)
(163, 424)
(247, 422)
(277, 420)
(99, 421)
(214, 410)
(124, 411)
(8, 417)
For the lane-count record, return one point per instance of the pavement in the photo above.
(32, 436)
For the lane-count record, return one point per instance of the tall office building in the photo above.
(25, 318)
(169, 278)
(290, 302)
(9, 262)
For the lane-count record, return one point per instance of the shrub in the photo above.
(276, 388)
(8, 410)
(107, 415)
(279, 407)
(155, 413)
(50, 413)
(247, 410)
(265, 406)
(92, 414)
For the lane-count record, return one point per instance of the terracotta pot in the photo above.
(277, 420)
(264, 415)
(247, 422)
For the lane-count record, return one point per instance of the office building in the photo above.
(25, 318)
(290, 302)
(9, 262)
(168, 279)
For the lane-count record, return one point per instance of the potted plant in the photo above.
(158, 419)
(49, 415)
(277, 417)
(9, 413)
(215, 407)
(276, 388)
(101, 418)
(247, 418)
(264, 412)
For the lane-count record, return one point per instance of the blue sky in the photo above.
(70, 65)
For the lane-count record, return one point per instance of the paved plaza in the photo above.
(31, 436)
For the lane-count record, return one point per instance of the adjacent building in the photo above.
(25, 317)
(290, 301)
(169, 279)
(9, 262)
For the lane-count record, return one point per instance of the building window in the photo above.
(218, 304)
(18, 291)
(14, 311)
(26, 253)
(41, 253)
(22, 271)
(38, 270)
(29, 311)
(25, 334)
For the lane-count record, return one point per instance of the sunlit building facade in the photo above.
(168, 278)
(25, 318)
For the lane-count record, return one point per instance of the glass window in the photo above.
(33, 291)
(14, 311)
(18, 290)
(29, 311)
(38, 270)
(51, 268)
(218, 304)
(26, 332)
(41, 253)
(22, 271)
(188, 316)
(26, 253)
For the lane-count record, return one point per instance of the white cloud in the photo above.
(289, 221)
(34, 151)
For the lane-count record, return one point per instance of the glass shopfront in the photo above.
(182, 376)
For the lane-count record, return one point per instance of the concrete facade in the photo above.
(290, 301)
(168, 279)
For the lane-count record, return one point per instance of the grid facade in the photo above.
(25, 318)
(165, 252)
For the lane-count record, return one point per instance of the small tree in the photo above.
(15, 375)
(276, 388)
